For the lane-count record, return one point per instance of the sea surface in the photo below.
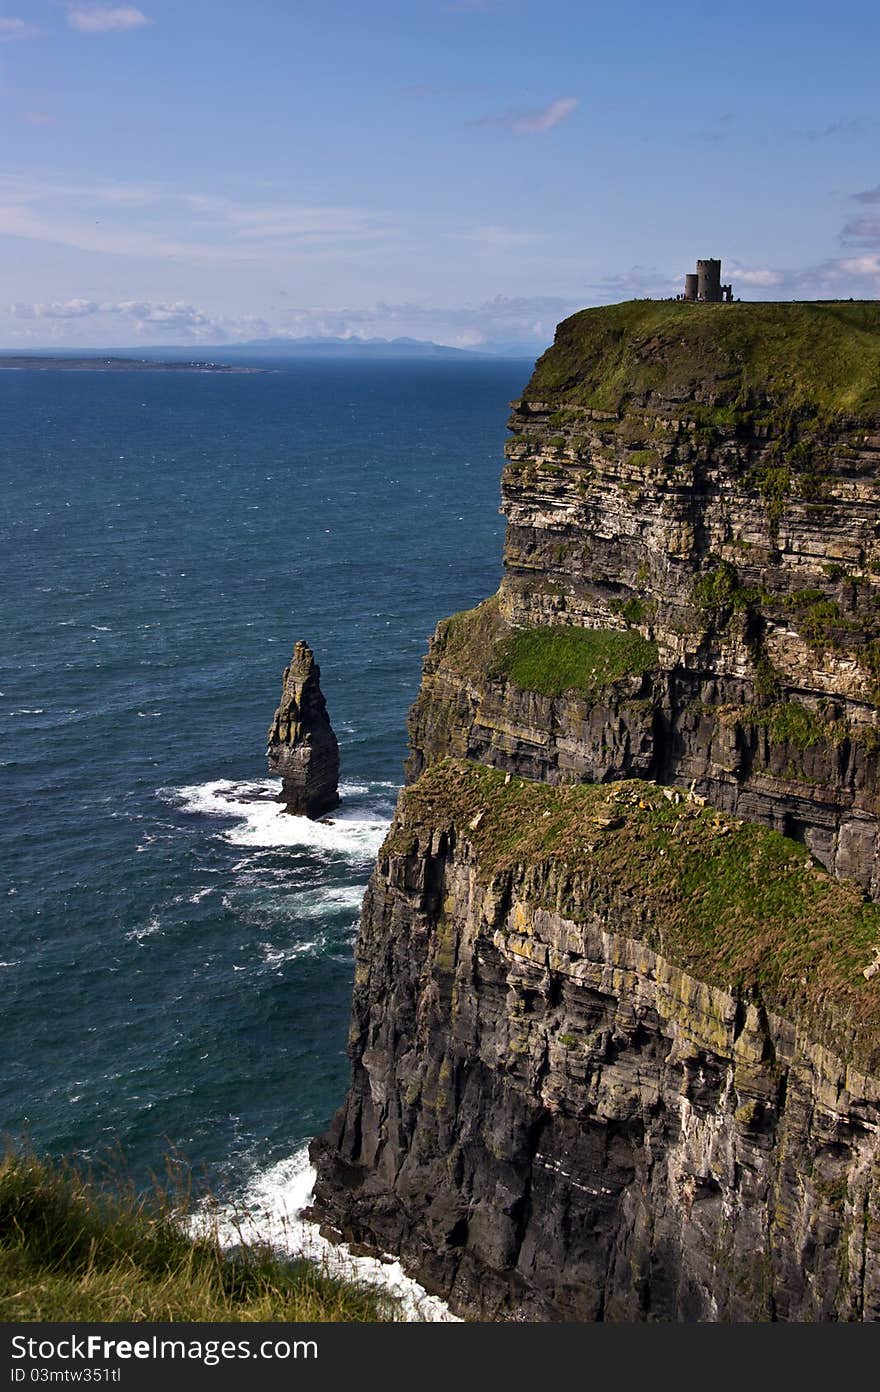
(176, 954)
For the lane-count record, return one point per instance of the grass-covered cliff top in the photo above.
(555, 660)
(735, 904)
(813, 358)
(71, 1250)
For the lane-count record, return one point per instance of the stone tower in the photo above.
(704, 284)
(709, 281)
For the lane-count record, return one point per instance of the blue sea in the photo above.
(176, 954)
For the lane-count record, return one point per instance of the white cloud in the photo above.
(525, 324)
(861, 265)
(759, 277)
(11, 29)
(531, 121)
(176, 315)
(103, 21)
(545, 119)
(862, 230)
(59, 309)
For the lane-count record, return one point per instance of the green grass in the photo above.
(790, 722)
(719, 591)
(816, 359)
(802, 727)
(75, 1249)
(466, 640)
(551, 661)
(733, 903)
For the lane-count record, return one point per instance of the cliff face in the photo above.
(732, 521)
(587, 1080)
(615, 1053)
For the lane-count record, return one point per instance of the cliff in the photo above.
(615, 1051)
(692, 571)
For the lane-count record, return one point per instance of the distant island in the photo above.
(330, 346)
(21, 362)
(248, 357)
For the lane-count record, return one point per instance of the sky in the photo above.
(466, 171)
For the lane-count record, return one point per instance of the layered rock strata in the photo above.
(729, 521)
(616, 1054)
(302, 748)
(600, 1074)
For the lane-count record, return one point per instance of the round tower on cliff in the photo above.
(709, 281)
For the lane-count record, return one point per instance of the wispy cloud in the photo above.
(717, 130)
(871, 195)
(862, 231)
(11, 29)
(162, 223)
(39, 118)
(101, 20)
(521, 121)
(846, 127)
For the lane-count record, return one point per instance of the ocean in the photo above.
(176, 955)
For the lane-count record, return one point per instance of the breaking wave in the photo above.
(270, 1210)
(356, 829)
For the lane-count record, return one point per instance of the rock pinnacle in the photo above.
(302, 745)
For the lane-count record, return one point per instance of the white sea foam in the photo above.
(146, 930)
(269, 1210)
(262, 822)
(277, 956)
(319, 902)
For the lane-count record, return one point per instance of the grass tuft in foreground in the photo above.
(72, 1250)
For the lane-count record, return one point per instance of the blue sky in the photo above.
(467, 170)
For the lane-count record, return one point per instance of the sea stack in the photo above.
(302, 746)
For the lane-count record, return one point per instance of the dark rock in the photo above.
(550, 1116)
(549, 1120)
(302, 746)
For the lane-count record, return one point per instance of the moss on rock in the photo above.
(736, 904)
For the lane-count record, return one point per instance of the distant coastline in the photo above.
(25, 362)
